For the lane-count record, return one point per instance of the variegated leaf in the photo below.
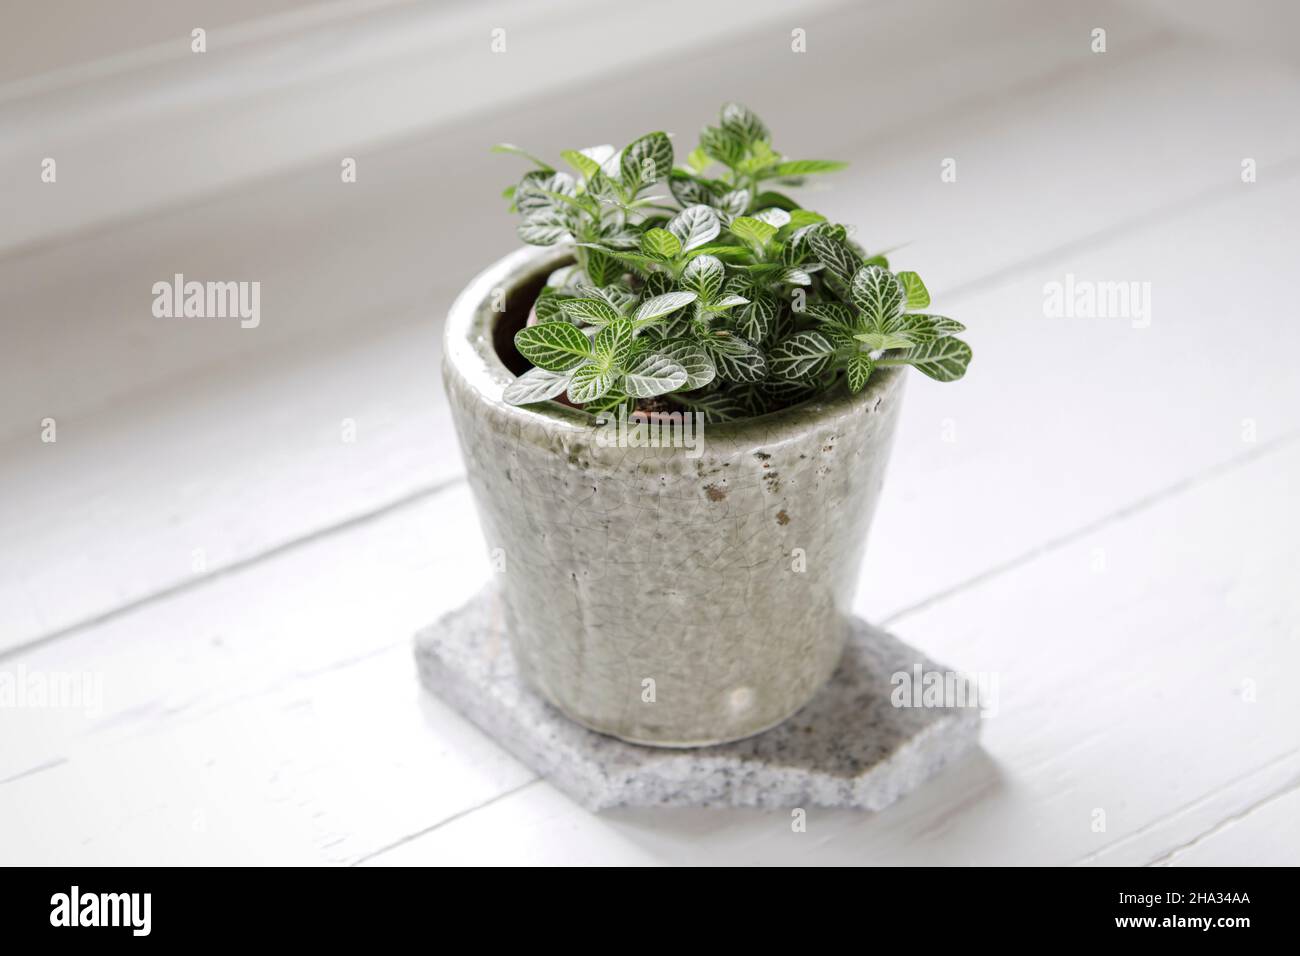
(662, 305)
(918, 297)
(654, 374)
(833, 253)
(589, 311)
(753, 232)
(646, 160)
(536, 385)
(880, 341)
(744, 123)
(944, 360)
(736, 359)
(755, 319)
(590, 382)
(703, 275)
(694, 226)
(858, 370)
(613, 343)
(556, 346)
(661, 244)
(802, 356)
(699, 367)
(878, 295)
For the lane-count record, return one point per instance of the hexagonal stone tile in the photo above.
(850, 747)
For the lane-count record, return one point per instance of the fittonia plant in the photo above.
(700, 283)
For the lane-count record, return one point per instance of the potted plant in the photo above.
(676, 411)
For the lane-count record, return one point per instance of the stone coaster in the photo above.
(849, 747)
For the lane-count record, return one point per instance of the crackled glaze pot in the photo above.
(672, 596)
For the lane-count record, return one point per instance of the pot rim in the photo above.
(469, 350)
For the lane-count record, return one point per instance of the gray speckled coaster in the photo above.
(850, 747)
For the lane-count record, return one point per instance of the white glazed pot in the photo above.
(673, 596)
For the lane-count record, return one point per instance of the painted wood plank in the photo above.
(270, 715)
(1064, 421)
(232, 436)
(1039, 442)
(1266, 835)
(1170, 592)
(1120, 691)
(1122, 688)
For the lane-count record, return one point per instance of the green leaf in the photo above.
(717, 406)
(802, 356)
(555, 346)
(842, 337)
(548, 305)
(796, 276)
(879, 341)
(753, 232)
(589, 383)
(539, 190)
(602, 268)
(662, 305)
(654, 374)
(761, 155)
(637, 261)
(536, 385)
(803, 218)
(773, 216)
(722, 251)
(542, 233)
(603, 187)
(769, 197)
(605, 155)
(736, 359)
(609, 402)
(694, 226)
(613, 344)
(728, 301)
(646, 161)
(661, 244)
(699, 368)
(944, 360)
(924, 328)
(589, 311)
(703, 275)
(689, 191)
(801, 167)
(830, 312)
(744, 124)
(755, 319)
(723, 145)
(733, 203)
(517, 151)
(918, 297)
(859, 369)
(587, 161)
(698, 160)
(878, 294)
(833, 253)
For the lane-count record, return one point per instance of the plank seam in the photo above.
(1137, 506)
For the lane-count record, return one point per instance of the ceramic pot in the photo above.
(677, 596)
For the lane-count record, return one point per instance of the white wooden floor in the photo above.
(1106, 516)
